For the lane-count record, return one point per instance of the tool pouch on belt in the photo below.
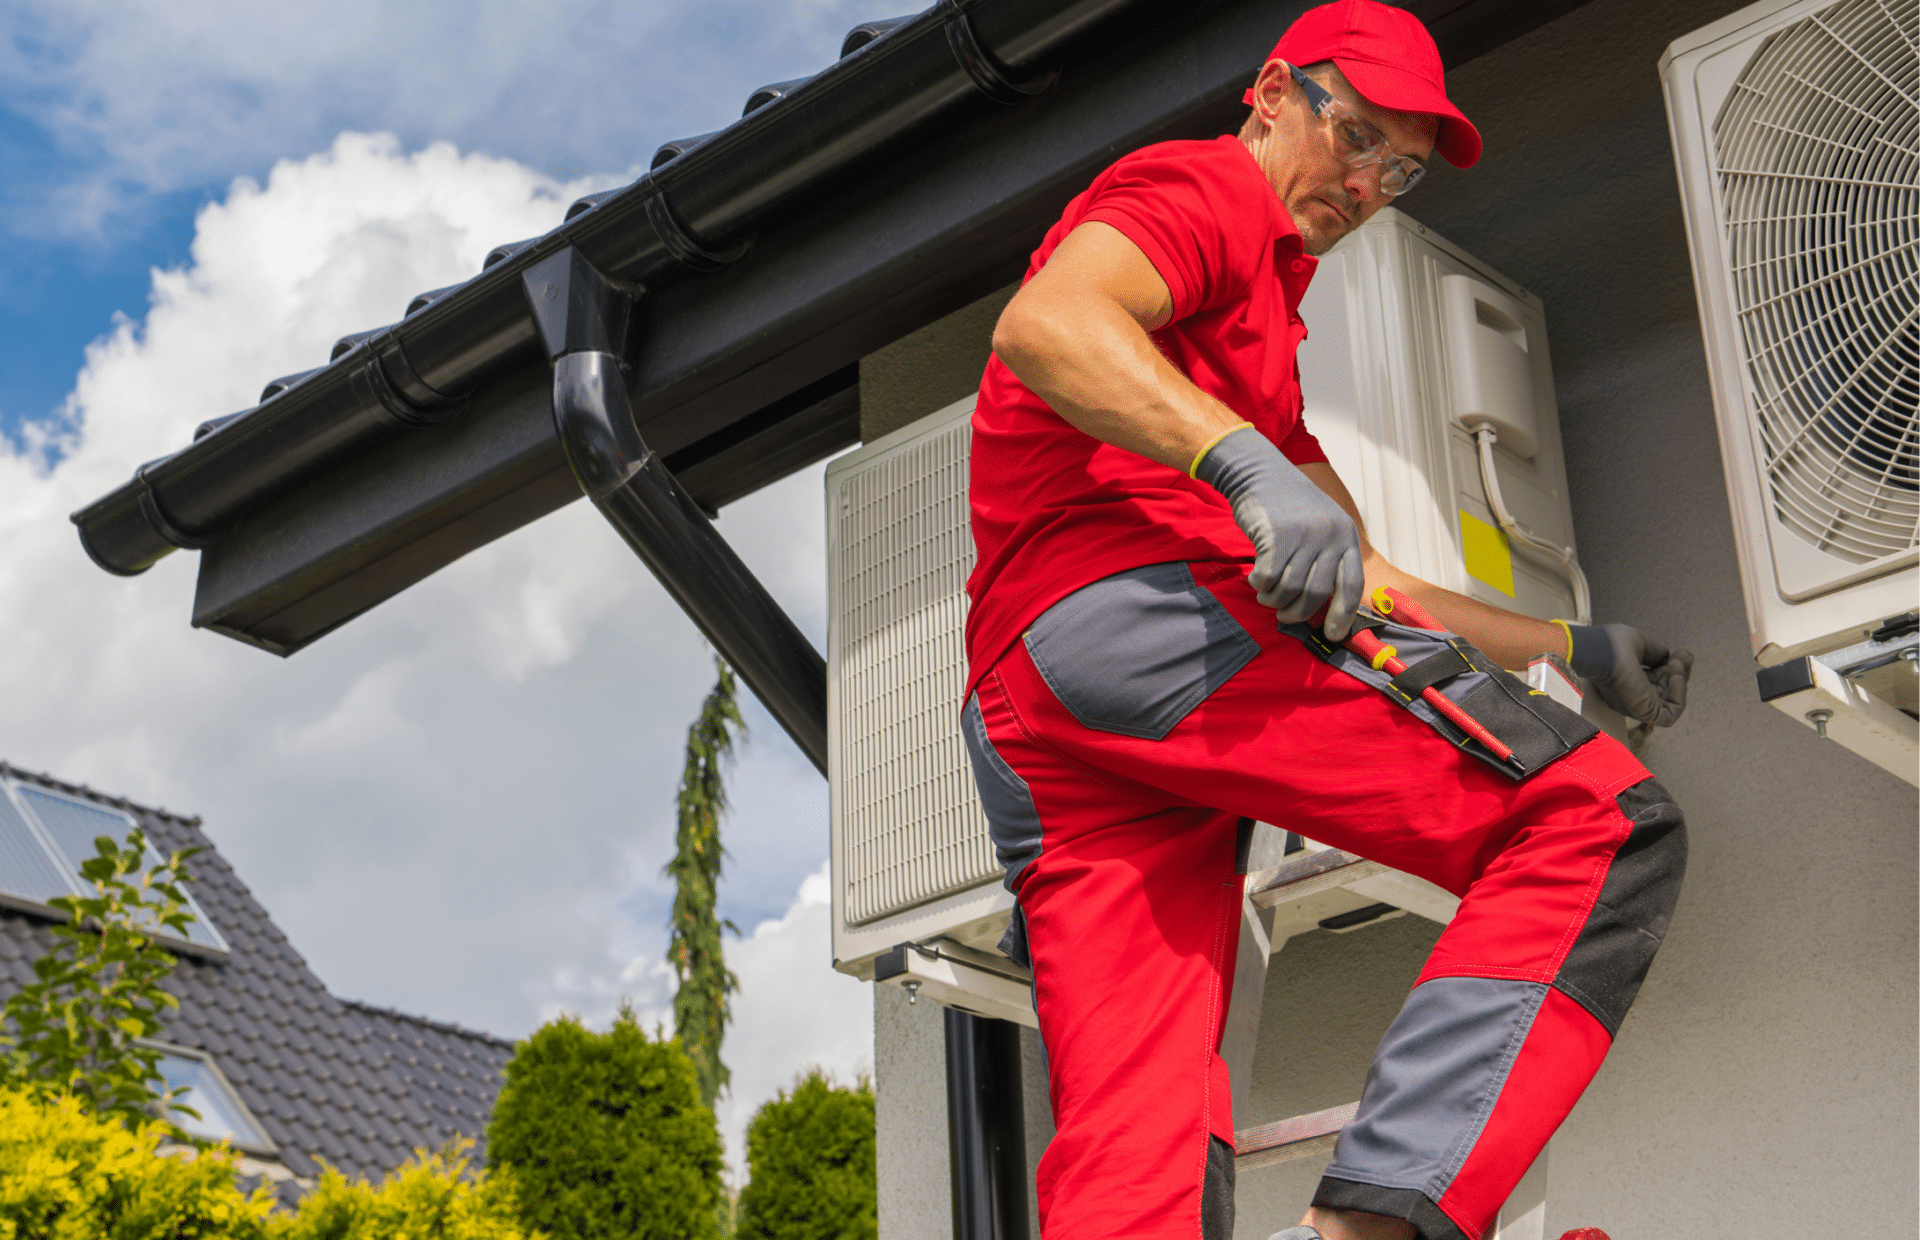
(1533, 725)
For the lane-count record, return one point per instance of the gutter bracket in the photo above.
(679, 243)
(158, 520)
(582, 320)
(372, 380)
(986, 72)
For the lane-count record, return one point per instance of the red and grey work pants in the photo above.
(1118, 747)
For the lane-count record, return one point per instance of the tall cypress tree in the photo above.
(700, 1006)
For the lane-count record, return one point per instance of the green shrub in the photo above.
(810, 1165)
(68, 1174)
(435, 1197)
(606, 1135)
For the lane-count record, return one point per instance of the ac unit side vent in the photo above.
(910, 821)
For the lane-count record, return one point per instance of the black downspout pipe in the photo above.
(986, 1128)
(582, 320)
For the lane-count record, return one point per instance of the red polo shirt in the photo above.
(1055, 509)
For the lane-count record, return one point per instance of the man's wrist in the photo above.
(1193, 470)
(1567, 630)
(1589, 650)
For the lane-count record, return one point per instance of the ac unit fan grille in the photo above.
(1819, 177)
(910, 823)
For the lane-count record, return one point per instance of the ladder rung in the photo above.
(1303, 876)
(1303, 1136)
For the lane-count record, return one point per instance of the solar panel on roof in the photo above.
(25, 869)
(74, 825)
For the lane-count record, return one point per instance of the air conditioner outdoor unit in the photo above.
(1794, 131)
(1413, 342)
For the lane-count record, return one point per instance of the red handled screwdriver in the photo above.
(1390, 602)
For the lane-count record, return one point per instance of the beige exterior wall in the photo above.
(930, 369)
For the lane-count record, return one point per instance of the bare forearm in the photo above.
(1509, 639)
(1095, 367)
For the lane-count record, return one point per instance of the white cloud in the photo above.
(458, 804)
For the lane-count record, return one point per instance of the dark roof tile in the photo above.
(351, 1084)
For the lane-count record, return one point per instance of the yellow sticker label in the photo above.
(1489, 557)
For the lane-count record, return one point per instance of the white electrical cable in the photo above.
(1485, 436)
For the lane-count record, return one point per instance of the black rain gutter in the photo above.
(698, 212)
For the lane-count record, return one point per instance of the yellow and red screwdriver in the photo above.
(1382, 657)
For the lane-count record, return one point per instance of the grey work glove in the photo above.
(1635, 675)
(1306, 551)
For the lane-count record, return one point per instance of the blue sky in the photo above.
(120, 120)
(459, 804)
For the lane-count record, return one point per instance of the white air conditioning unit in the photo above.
(912, 863)
(1794, 133)
(1412, 341)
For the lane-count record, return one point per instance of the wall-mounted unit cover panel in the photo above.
(1795, 133)
(1492, 374)
(1409, 337)
(907, 824)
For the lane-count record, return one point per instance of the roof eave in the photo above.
(322, 502)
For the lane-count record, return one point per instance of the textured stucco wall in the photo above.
(910, 1117)
(1763, 1086)
(910, 1065)
(929, 369)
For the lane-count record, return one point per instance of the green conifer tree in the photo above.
(701, 1008)
(810, 1156)
(606, 1137)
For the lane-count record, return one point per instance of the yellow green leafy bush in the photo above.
(435, 1197)
(68, 1174)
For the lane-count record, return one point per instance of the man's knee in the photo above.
(1615, 948)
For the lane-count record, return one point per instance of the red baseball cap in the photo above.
(1390, 58)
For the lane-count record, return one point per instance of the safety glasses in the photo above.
(1357, 142)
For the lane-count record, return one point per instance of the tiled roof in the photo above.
(329, 1079)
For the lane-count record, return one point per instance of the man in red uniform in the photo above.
(1155, 529)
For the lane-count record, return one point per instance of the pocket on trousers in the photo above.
(1134, 653)
(1536, 728)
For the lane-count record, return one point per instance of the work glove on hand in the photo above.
(1636, 676)
(1306, 550)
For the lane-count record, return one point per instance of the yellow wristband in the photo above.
(1564, 628)
(1193, 470)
